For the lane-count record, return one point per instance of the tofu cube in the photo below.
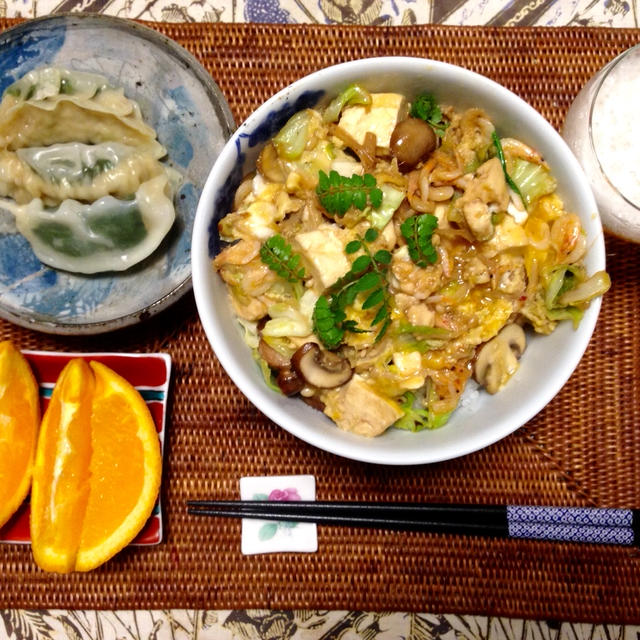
(359, 408)
(323, 251)
(347, 167)
(380, 117)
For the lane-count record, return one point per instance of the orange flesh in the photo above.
(97, 471)
(19, 424)
(117, 450)
(61, 478)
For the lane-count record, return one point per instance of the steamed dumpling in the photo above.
(77, 171)
(49, 82)
(107, 235)
(81, 172)
(51, 105)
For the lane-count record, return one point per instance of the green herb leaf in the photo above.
(383, 329)
(383, 312)
(338, 193)
(369, 280)
(360, 264)
(371, 235)
(278, 255)
(327, 323)
(373, 299)
(352, 326)
(427, 108)
(367, 276)
(382, 257)
(417, 231)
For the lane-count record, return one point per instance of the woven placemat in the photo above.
(583, 449)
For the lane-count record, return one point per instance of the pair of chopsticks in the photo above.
(566, 524)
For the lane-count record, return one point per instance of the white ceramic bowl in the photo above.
(548, 361)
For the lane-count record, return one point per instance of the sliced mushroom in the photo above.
(289, 381)
(497, 360)
(412, 141)
(513, 334)
(272, 357)
(319, 368)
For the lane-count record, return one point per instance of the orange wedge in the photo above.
(19, 423)
(97, 471)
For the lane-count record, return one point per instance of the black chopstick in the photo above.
(571, 524)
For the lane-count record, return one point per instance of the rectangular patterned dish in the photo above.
(148, 373)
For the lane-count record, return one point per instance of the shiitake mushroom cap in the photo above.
(319, 368)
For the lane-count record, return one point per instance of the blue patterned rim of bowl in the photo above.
(193, 120)
(248, 141)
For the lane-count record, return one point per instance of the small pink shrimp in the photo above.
(568, 239)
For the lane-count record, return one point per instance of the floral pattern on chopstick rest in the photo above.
(265, 536)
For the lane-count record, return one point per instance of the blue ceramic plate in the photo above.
(193, 121)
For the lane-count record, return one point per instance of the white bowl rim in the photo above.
(263, 398)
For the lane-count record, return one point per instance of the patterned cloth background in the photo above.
(289, 625)
(612, 13)
(318, 625)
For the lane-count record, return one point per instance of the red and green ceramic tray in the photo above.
(148, 373)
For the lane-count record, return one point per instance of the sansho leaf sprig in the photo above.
(278, 255)
(367, 275)
(417, 231)
(426, 107)
(337, 193)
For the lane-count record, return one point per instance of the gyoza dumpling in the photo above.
(77, 171)
(51, 105)
(107, 235)
(49, 82)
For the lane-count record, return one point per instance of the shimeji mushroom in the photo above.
(289, 381)
(497, 360)
(319, 368)
(412, 141)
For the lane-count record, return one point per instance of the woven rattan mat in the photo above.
(583, 449)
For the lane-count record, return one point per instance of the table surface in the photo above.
(311, 624)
